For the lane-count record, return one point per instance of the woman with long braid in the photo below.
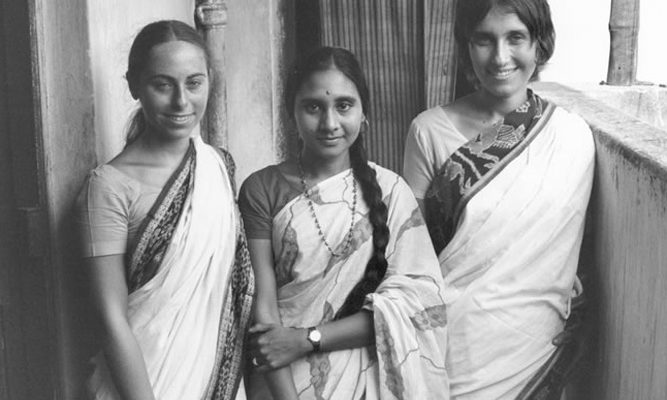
(349, 302)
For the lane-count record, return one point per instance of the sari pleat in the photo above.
(508, 230)
(190, 286)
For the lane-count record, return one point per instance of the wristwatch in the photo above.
(314, 337)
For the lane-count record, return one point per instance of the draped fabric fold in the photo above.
(408, 360)
(507, 213)
(190, 284)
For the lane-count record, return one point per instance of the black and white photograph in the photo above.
(333, 200)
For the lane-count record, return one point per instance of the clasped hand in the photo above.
(273, 346)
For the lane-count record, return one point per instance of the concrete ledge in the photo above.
(640, 142)
(626, 252)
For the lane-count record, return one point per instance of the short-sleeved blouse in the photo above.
(110, 208)
(262, 196)
(431, 140)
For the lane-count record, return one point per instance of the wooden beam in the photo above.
(439, 52)
(211, 20)
(624, 33)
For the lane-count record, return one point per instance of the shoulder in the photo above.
(107, 178)
(261, 178)
(433, 129)
(106, 188)
(571, 126)
(261, 185)
(429, 116)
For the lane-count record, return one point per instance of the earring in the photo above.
(366, 124)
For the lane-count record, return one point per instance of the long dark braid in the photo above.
(322, 59)
(377, 215)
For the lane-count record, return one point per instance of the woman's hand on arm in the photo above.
(121, 350)
(279, 379)
(278, 346)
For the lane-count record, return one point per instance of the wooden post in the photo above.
(211, 20)
(624, 32)
(439, 52)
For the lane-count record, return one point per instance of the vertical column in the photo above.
(211, 19)
(439, 51)
(624, 33)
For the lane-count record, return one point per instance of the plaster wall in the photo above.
(255, 35)
(112, 26)
(64, 122)
(258, 47)
(629, 215)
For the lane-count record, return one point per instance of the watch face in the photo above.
(314, 335)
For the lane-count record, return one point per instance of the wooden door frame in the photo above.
(29, 307)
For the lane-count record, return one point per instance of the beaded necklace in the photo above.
(306, 192)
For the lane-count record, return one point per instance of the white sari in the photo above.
(408, 360)
(510, 265)
(182, 301)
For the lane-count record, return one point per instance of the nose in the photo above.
(329, 121)
(501, 54)
(179, 98)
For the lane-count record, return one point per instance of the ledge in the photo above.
(640, 143)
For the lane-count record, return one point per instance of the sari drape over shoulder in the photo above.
(190, 286)
(408, 359)
(506, 214)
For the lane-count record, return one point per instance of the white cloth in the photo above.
(175, 316)
(510, 268)
(409, 315)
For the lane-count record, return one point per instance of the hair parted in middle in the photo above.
(151, 35)
(323, 59)
(535, 14)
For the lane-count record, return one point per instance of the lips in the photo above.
(502, 73)
(180, 119)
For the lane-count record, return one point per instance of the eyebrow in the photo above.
(484, 34)
(168, 77)
(350, 99)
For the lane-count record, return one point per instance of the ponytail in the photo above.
(377, 215)
(135, 126)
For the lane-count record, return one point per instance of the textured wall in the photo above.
(629, 214)
(112, 26)
(65, 125)
(258, 46)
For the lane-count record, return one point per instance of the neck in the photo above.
(163, 149)
(495, 107)
(318, 169)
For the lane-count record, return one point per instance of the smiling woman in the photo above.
(163, 247)
(173, 90)
(347, 306)
(503, 178)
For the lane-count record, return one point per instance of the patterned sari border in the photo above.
(504, 162)
(236, 312)
(159, 208)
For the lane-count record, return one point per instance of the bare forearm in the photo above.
(348, 333)
(126, 365)
(281, 384)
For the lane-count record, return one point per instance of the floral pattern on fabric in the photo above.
(384, 344)
(288, 256)
(457, 178)
(430, 318)
(319, 370)
(407, 363)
